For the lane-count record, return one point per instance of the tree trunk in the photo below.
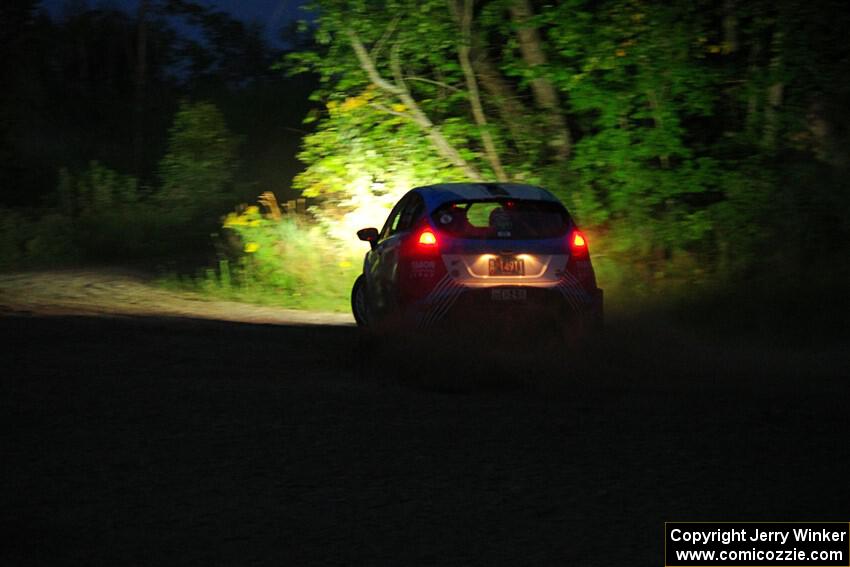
(503, 97)
(658, 121)
(752, 118)
(545, 95)
(463, 16)
(730, 27)
(414, 112)
(774, 96)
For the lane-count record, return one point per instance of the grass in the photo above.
(240, 284)
(286, 261)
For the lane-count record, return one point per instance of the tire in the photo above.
(359, 302)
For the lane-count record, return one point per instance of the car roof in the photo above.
(436, 195)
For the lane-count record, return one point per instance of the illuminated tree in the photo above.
(662, 125)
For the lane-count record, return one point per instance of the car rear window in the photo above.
(512, 219)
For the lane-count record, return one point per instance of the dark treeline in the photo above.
(100, 88)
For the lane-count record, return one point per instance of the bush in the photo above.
(53, 241)
(290, 261)
(14, 232)
(46, 241)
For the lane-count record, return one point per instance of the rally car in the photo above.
(492, 255)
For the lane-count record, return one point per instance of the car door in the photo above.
(399, 224)
(382, 260)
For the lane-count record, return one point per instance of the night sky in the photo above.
(273, 14)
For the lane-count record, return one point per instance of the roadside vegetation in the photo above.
(701, 146)
(285, 260)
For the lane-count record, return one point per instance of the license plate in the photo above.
(509, 294)
(507, 266)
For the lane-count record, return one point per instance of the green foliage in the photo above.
(421, 36)
(53, 241)
(709, 139)
(107, 216)
(94, 211)
(361, 160)
(677, 113)
(201, 158)
(94, 190)
(48, 240)
(14, 233)
(635, 74)
(98, 214)
(289, 261)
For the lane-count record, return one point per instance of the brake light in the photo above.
(578, 245)
(427, 238)
(420, 265)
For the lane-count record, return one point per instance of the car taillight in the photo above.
(420, 265)
(423, 242)
(579, 262)
(427, 239)
(578, 245)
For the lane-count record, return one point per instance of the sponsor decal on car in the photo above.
(423, 268)
(439, 301)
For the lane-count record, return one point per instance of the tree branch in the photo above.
(368, 65)
(433, 82)
(388, 110)
(399, 89)
(387, 33)
(508, 104)
(464, 20)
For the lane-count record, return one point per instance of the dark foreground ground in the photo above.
(153, 441)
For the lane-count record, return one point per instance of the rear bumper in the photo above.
(452, 303)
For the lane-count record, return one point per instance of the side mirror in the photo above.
(369, 235)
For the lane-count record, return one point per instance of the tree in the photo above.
(665, 126)
(634, 78)
(201, 158)
(424, 69)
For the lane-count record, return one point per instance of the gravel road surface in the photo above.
(152, 435)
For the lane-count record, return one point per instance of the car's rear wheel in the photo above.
(359, 302)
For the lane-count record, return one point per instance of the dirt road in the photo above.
(122, 292)
(153, 440)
